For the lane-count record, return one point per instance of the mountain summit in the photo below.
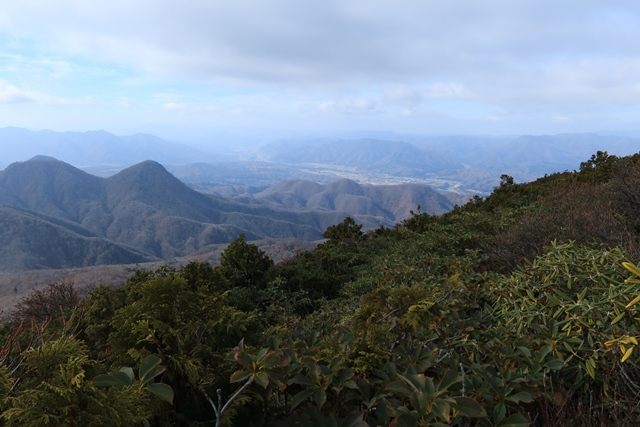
(56, 215)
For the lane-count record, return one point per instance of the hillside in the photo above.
(390, 157)
(516, 309)
(31, 241)
(145, 213)
(391, 202)
(467, 163)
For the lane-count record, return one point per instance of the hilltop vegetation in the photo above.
(516, 309)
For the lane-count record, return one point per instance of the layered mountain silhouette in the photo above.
(55, 215)
(474, 162)
(93, 148)
(391, 157)
(393, 203)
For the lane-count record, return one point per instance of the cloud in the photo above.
(189, 107)
(345, 56)
(334, 41)
(175, 106)
(10, 94)
(348, 105)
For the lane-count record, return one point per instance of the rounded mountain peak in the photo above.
(345, 186)
(148, 169)
(43, 158)
(148, 178)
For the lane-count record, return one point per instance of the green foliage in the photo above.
(244, 264)
(55, 391)
(599, 167)
(571, 299)
(517, 308)
(346, 232)
(6, 383)
(150, 368)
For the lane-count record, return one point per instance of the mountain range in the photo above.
(57, 216)
(389, 157)
(466, 164)
(391, 202)
(93, 148)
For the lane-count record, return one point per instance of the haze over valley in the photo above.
(354, 213)
(465, 165)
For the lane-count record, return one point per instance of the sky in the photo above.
(198, 70)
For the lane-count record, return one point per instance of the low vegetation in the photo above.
(517, 309)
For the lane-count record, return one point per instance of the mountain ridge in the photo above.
(144, 213)
(92, 148)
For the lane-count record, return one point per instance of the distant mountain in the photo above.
(93, 148)
(466, 163)
(393, 203)
(55, 215)
(391, 157)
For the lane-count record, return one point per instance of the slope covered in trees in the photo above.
(513, 310)
(144, 213)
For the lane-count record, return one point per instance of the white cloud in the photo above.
(10, 94)
(335, 42)
(174, 106)
(348, 105)
(447, 90)
(357, 57)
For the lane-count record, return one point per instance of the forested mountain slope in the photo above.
(145, 213)
(517, 309)
(391, 202)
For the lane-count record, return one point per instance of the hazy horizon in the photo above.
(222, 73)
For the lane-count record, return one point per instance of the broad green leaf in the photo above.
(302, 380)
(554, 364)
(261, 354)
(469, 408)
(129, 372)
(320, 397)
(499, 412)
(149, 368)
(262, 379)
(163, 391)
(301, 397)
(351, 385)
(525, 351)
(355, 420)
(450, 377)
(239, 375)
(154, 373)
(117, 379)
(443, 410)
(409, 383)
(515, 420)
(544, 352)
(408, 419)
(521, 396)
(272, 360)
